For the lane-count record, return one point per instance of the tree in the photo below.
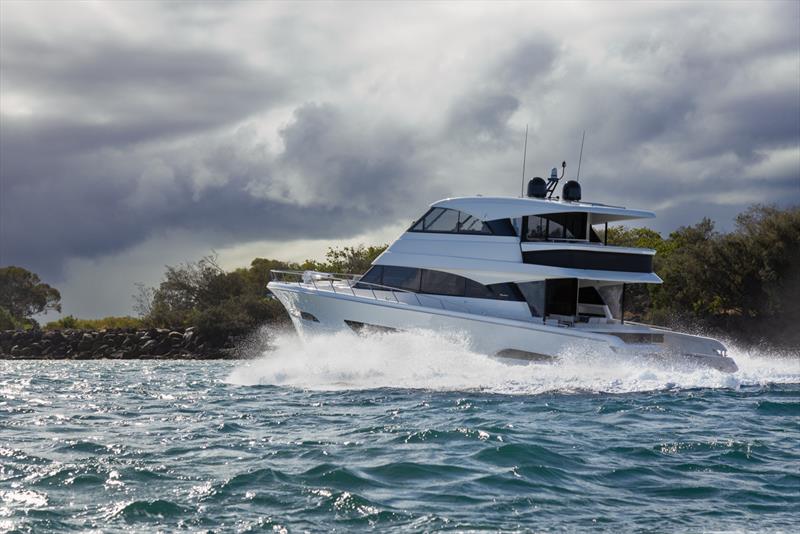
(24, 295)
(347, 260)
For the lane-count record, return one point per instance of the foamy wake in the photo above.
(426, 360)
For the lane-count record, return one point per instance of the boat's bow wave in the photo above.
(427, 360)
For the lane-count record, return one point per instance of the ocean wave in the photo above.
(432, 361)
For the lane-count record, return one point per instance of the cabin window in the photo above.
(555, 226)
(447, 221)
(467, 224)
(436, 283)
(537, 228)
(441, 283)
(373, 276)
(401, 277)
(492, 291)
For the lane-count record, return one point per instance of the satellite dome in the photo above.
(537, 188)
(571, 191)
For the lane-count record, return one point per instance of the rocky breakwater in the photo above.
(118, 344)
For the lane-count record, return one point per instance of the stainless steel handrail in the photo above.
(331, 278)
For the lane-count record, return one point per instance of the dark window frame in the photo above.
(502, 291)
(497, 227)
(553, 217)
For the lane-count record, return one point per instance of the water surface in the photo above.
(398, 432)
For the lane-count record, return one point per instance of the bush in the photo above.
(106, 323)
(7, 321)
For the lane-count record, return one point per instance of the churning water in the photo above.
(399, 432)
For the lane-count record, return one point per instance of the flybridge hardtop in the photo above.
(521, 278)
(495, 208)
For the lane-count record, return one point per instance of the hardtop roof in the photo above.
(493, 208)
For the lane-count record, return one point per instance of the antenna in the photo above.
(580, 158)
(524, 157)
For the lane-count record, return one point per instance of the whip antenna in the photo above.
(583, 138)
(524, 157)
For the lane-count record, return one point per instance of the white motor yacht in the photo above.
(527, 279)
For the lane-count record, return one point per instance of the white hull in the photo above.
(317, 311)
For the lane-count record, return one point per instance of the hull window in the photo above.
(366, 328)
(308, 317)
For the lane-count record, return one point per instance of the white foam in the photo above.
(422, 359)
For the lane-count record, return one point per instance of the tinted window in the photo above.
(427, 219)
(446, 221)
(373, 276)
(501, 227)
(467, 224)
(575, 225)
(439, 283)
(492, 291)
(504, 292)
(401, 278)
(537, 228)
(555, 226)
(477, 291)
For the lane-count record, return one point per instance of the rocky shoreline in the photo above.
(116, 344)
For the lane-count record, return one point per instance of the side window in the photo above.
(504, 292)
(373, 276)
(555, 228)
(440, 283)
(446, 221)
(501, 227)
(427, 219)
(493, 291)
(401, 278)
(467, 224)
(537, 228)
(477, 291)
(575, 226)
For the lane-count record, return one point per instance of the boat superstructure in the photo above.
(524, 278)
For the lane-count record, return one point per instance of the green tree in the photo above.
(24, 295)
(346, 260)
(7, 321)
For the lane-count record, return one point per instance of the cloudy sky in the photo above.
(139, 134)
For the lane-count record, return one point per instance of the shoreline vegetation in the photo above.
(743, 285)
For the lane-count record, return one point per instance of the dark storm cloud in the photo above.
(259, 121)
(349, 161)
(110, 93)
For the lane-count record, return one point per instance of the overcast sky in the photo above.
(139, 134)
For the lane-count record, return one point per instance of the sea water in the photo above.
(399, 432)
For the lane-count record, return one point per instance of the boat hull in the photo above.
(315, 311)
